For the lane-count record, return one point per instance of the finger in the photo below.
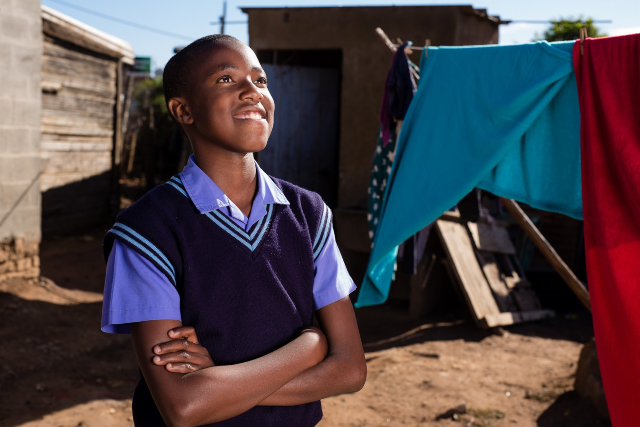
(186, 332)
(183, 357)
(183, 368)
(178, 345)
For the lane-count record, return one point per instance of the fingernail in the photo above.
(156, 349)
(169, 365)
(156, 359)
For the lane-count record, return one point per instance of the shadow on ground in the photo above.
(570, 410)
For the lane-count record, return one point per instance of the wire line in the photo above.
(123, 21)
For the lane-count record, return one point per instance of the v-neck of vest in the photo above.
(249, 241)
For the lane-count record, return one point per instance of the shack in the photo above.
(326, 68)
(81, 121)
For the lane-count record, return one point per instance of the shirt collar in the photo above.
(207, 196)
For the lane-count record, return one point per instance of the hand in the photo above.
(183, 354)
(321, 346)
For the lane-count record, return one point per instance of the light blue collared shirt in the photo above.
(135, 290)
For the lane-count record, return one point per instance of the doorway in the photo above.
(303, 147)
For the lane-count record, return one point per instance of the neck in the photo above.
(234, 173)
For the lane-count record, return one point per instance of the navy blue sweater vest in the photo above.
(245, 293)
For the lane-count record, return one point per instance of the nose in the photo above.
(251, 91)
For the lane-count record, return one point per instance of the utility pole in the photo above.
(223, 17)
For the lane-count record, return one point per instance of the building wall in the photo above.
(20, 206)
(78, 99)
(365, 62)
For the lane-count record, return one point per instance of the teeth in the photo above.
(250, 115)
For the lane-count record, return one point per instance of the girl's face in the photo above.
(229, 101)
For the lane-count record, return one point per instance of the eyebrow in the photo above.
(223, 67)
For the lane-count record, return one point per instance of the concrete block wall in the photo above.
(20, 96)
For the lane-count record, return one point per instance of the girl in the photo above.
(243, 259)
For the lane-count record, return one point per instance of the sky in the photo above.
(192, 19)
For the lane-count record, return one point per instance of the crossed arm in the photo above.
(308, 368)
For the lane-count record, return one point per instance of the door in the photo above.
(303, 147)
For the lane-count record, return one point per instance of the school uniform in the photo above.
(184, 251)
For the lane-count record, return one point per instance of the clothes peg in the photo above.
(583, 35)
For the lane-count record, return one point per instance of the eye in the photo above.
(262, 81)
(224, 79)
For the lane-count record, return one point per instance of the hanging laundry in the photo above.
(608, 86)
(382, 161)
(398, 93)
(501, 118)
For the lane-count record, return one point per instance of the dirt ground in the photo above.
(58, 369)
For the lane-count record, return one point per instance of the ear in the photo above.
(180, 111)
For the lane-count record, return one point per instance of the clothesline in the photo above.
(415, 71)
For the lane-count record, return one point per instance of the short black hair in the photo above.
(177, 72)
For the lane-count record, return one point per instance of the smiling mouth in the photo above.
(250, 115)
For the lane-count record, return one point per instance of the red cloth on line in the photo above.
(608, 77)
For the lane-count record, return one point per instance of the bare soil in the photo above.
(58, 369)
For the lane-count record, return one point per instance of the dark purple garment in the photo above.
(245, 298)
(398, 93)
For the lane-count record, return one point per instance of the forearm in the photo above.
(333, 376)
(221, 392)
(344, 370)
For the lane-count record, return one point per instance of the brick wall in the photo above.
(20, 205)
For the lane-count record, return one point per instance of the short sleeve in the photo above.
(135, 291)
(332, 281)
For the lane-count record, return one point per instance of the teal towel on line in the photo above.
(502, 118)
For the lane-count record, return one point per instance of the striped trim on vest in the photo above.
(145, 246)
(250, 239)
(322, 234)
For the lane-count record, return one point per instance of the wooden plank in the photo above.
(55, 25)
(525, 297)
(505, 319)
(78, 67)
(68, 146)
(78, 104)
(77, 84)
(548, 251)
(466, 269)
(499, 288)
(54, 47)
(451, 215)
(520, 288)
(491, 238)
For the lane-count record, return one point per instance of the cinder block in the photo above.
(15, 84)
(35, 140)
(35, 90)
(6, 116)
(6, 64)
(6, 7)
(19, 196)
(14, 140)
(24, 222)
(29, 8)
(30, 221)
(13, 27)
(19, 168)
(27, 59)
(26, 113)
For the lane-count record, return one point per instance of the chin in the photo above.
(252, 146)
